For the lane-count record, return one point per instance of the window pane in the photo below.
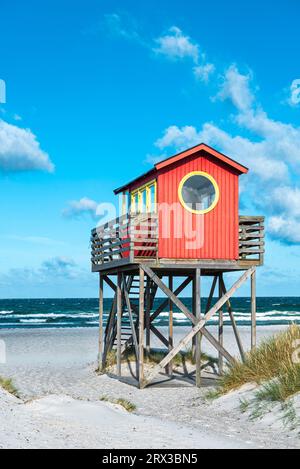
(198, 192)
(152, 198)
(144, 201)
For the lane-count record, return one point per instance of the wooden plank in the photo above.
(251, 219)
(144, 240)
(117, 252)
(145, 248)
(234, 325)
(119, 324)
(253, 310)
(159, 335)
(141, 327)
(217, 345)
(171, 318)
(211, 294)
(116, 221)
(101, 313)
(100, 250)
(167, 291)
(109, 330)
(148, 312)
(110, 283)
(197, 300)
(197, 328)
(221, 327)
(251, 251)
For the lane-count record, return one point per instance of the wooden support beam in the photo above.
(171, 343)
(159, 335)
(119, 324)
(110, 283)
(108, 343)
(168, 292)
(221, 327)
(165, 303)
(234, 325)
(197, 328)
(211, 294)
(197, 303)
(141, 327)
(217, 346)
(148, 312)
(101, 312)
(253, 310)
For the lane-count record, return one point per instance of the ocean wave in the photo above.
(37, 321)
(4, 312)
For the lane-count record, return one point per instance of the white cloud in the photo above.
(236, 87)
(284, 229)
(253, 154)
(204, 72)
(123, 26)
(273, 154)
(57, 266)
(294, 98)
(179, 138)
(42, 240)
(154, 159)
(80, 207)
(175, 45)
(20, 150)
(286, 199)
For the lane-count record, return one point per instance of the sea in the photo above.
(83, 312)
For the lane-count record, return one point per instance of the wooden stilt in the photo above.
(119, 323)
(148, 331)
(109, 335)
(234, 325)
(141, 327)
(221, 327)
(101, 311)
(197, 300)
(253, 310)
(170, 366)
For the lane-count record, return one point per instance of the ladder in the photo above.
(133, 288)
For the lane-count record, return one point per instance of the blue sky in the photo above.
(97, 90)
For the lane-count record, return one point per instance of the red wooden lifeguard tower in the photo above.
(180, 219)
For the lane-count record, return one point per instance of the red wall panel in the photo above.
(220, 226)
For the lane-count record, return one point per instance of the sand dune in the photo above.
(54, 371)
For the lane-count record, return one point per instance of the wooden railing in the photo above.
(127, 237)
(251, 239)
(134, 237)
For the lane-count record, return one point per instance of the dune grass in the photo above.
(8, 385)
(127, 405)
(156, 357)
(272, 365)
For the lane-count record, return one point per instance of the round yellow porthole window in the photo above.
(198, 192)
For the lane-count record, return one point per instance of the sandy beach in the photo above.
(60, 405)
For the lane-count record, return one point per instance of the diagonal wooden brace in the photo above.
(198, 327)
(168, 292)
(165, 303)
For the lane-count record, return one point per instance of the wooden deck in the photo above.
(129, 241)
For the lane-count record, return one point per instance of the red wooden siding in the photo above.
(220, 224)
